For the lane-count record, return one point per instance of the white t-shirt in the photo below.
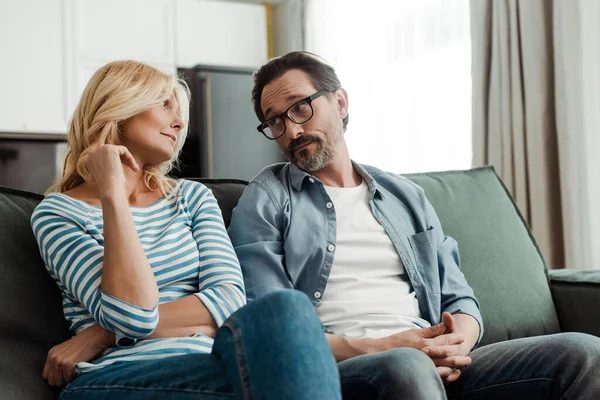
(368, 293)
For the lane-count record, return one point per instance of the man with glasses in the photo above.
(368, 249)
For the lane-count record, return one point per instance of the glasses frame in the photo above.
(285, 114)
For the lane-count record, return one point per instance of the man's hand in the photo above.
(432, 337)
(449, 357)
(444, 340)
(87, 345)
(344, 347)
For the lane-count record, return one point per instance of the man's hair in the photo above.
(321, 74)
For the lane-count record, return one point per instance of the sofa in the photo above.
(518, 295)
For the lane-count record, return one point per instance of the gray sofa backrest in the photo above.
(31, 317)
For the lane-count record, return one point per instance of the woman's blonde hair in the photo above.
(118, 91)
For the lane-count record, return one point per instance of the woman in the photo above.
(146, 269)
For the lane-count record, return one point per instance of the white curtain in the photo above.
(406, 65)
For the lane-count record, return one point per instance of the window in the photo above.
(407, 68)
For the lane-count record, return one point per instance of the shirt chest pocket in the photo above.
(424, 247)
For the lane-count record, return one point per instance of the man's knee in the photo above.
(577, 347)
(404, 373)
(406, 366)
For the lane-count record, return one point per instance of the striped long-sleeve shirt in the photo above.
(185, 241)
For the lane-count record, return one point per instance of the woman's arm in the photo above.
(184, 317)
(221, 285)
(85, 346)
(126, 272)
(105, 284)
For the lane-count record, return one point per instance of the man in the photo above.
(368, 249)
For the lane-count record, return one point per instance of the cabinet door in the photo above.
(107, 30)
(101, 31)
(32, 79)
(220, 33)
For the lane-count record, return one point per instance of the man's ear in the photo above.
(341, 97)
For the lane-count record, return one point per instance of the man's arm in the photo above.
(432, 337)
(256, 232)
(457, 297)
(344, 348)
(469, 327)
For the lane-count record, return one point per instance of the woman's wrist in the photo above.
(102, 338)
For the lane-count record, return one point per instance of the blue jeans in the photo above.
(273, 348)
(561, 366)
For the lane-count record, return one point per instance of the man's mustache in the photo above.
(300, 141)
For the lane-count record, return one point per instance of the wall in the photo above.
(288, 27)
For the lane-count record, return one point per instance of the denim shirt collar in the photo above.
(298, 177)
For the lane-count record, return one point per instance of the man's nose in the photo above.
(292, 129)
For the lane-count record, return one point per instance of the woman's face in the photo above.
(151, 136)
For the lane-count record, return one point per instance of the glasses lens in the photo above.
(300, 112)
(273, 128)
(268, 133)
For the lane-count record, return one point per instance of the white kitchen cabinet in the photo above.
(32, 74)
(51, 48)
(222, 33)
(100, 31)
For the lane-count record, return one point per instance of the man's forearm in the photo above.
(344, 348)
(469, 327)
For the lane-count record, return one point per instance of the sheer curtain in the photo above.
(406, 65)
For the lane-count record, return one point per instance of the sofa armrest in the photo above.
(576, 297)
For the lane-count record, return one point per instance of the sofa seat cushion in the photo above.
(499, 256)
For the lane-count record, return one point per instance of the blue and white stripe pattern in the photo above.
(185, 241)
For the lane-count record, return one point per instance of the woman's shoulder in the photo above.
(59, 208)
(191, 189)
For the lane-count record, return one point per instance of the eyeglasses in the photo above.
(299, 113)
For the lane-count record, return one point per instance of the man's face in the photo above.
(314, 144)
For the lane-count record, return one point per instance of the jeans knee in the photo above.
(278, 311)
(578, 347)
(283, 301)
(406, 366)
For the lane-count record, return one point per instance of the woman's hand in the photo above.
(104, 165)
(86, 346)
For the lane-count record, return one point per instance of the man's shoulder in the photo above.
(391, 180)
(271, 182)
(270, 174)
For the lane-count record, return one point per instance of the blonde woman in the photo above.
(146, 269)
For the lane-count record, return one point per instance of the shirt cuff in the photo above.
(469, 307)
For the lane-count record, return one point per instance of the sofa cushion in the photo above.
(31, 317)
(499, 255)
(576, 295)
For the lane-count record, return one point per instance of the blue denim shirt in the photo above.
(284, 235)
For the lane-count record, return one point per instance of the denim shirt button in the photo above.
(329, 204)
(331, 247)
(311, 180)
(317, 295)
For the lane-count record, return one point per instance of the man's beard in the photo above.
(310, 163)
